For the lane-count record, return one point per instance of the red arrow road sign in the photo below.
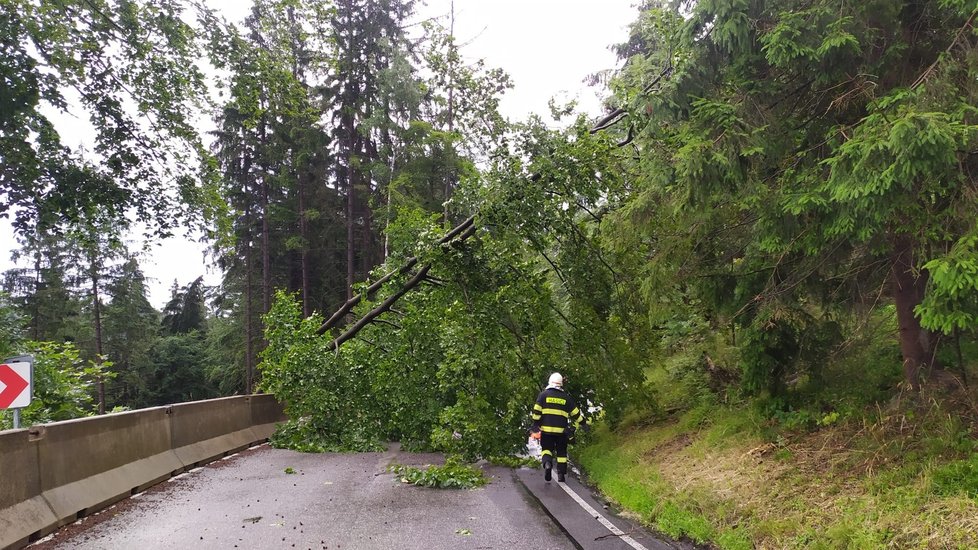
(15, 384)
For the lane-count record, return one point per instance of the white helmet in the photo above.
(556, 380)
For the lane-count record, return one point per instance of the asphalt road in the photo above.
(342, 501)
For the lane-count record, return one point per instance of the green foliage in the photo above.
(952, 301)
(186, 311)
(226, 354)
(179, 371)
(62, 386)
(514, 461)
(327, 395)
(771, 188)
(130, 329)
(142, 117)
(452, 475)
(11, 327)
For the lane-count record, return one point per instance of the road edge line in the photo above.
(543, 507)
(603, 520)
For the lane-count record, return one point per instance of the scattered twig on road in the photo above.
(610, 535)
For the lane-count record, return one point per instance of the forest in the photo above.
(758, 268)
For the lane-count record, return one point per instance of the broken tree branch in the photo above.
(459, 233)
(379, 310)
(414, 281)
(338, 315)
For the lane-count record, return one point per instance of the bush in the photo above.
(62, 385)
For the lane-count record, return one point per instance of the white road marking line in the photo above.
(604, 521)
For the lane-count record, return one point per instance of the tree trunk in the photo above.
(97, 312)
(299, 74)
(36, 321)
(249, 300)
(908, 288)
(366, 235)
(350, 212)
(450, 175)
(266, 258)
(304, 252)
(249, 286)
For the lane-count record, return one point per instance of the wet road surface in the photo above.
(332, 501)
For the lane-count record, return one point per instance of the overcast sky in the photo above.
(546, 46)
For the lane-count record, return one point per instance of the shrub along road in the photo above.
(271, 498)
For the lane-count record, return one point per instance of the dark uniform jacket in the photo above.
(554, 410)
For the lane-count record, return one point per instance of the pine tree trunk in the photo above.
(249, 300)
(266, 258)
(298, 74)
(36, 321)
(450, 175)
(907, 287)
(304, 252)
(97, 312)
(350, 208)
(366, 235)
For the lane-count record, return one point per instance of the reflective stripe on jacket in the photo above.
(554, 410)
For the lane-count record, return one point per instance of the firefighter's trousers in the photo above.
(554, 446)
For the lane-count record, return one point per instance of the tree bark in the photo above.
(350, 212)
(304, 252)
(907, 286)
(335, 318)
(36, 321)
(304, 174)
(266, 257)
(348, 103)
(450, 176)
(249, 293)
(97, 312)
(388, 304)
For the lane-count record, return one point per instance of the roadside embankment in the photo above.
(899, 476)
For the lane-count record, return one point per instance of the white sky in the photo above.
(546, 46)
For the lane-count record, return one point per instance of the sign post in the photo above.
(16, 384)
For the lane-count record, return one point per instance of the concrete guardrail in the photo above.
(54, 474)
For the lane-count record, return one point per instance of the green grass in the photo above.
(958, 477)
(841, 460)
(621, 469)
(896, 482)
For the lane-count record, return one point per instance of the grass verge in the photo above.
(903, 476)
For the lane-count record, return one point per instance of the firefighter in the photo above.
(555, 416)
